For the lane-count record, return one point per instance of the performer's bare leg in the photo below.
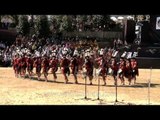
(129, 80)
(75, 78)
(104, 79)
(39, 75)
(90, 79)
(54, 76)
(45, 75)
(66, 78)
(115, 79)
(122, 80)
(134, 78)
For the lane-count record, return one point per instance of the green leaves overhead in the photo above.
(23, 25)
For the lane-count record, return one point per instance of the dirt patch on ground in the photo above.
(19, 91)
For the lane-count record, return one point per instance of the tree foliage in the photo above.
(16, 20)
(42, 26)
(23, 25)
(62, 23)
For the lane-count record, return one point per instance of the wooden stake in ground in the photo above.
(98, 87)
(149, 85)
(85, 87)
(116, 89)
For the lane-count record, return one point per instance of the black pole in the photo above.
(85, 87)
(149, 85)
(116, 90)
(98, 87)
